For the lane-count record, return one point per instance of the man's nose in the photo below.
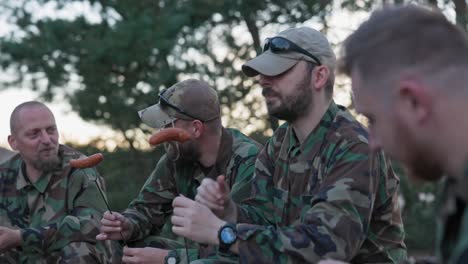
(264, 80)
(45, 137)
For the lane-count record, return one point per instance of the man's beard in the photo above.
(293, 106)
(421, 167)
(46, 165)
(187, 151)
(420, 163)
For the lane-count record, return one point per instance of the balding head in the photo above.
(34, 135)
(15, 121)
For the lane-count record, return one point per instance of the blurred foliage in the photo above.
(111, 66)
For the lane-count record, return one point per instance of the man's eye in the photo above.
(51, 130)
(32, 134)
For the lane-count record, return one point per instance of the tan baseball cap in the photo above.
(271, 64)
(190, 99)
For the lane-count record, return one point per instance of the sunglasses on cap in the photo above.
(281, 45)
(165, 103)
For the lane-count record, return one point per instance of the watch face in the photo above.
(171, 260)
(228, 235)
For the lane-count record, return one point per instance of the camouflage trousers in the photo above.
(197, 254)
(73, 253)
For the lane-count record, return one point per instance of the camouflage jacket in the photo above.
(452, 229)
(150, 212)
(325, 198)
(5, 154)
(61, 207)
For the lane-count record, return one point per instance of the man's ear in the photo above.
(198, 128)
(321, 75)
(414, 100)
(12, 142)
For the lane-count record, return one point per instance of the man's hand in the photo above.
(9, 238)
(215, 195)
(195, 221)
(144, 255)
(112, 225)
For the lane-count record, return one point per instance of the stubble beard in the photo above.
(293, 106)
(188, 151)
(420, 167)
(46, 164)
(420, 162)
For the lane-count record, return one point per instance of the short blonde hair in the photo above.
(404, 37)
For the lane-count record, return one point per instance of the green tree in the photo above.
(109, 68)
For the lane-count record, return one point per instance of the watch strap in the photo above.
(224, 246)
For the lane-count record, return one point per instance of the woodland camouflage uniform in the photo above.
(325, 198)
(150, 212)
(58, 215)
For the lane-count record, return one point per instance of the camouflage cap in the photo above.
(190, 99)
(270, 63)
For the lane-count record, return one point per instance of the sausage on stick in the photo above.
(87, 162)
(169, 134)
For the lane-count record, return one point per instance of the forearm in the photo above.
(140, 226)
(151, 209)
(147, 217)
(269, 244)
(294, 244)
(305, 242)
(253, 214)
(327, 229)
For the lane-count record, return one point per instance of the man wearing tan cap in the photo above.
(212, 151)
(318, 191)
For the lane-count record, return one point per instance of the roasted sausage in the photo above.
(87, 162)
(169, 134)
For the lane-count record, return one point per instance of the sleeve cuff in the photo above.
(246, 231)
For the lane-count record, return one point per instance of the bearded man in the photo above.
(191, 105)
(49, 211)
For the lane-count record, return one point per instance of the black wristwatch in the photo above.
(227, 236)
(171, 257)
